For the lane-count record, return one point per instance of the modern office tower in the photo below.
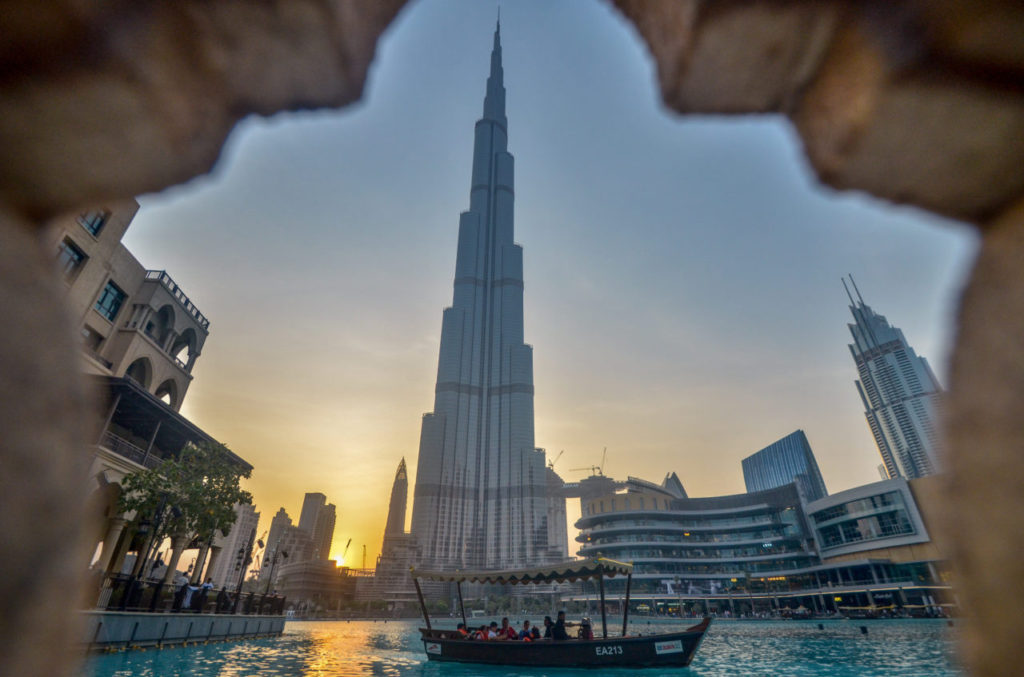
(399, 498)
(311, 505)
(317, 519)
(278, 527)
(787, 460)
(391, 580)
(480, 496)
(323, 532)
(229, 564)
(900, 393)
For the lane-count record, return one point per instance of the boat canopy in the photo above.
(559, 572)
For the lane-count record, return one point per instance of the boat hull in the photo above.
(669, 649)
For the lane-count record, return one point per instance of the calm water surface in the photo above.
(733, 648)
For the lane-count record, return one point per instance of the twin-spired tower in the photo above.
(481, 492)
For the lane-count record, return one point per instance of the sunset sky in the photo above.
(683, 292)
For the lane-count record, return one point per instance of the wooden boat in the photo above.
(659, 650)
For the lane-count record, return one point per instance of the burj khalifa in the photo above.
(480, 498)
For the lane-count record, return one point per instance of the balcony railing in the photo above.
(171, 286)
(123, 447)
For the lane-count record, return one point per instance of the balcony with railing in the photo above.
(171, 286)
(132, 452)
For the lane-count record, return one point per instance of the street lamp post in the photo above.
(273, 565)
(245, 555)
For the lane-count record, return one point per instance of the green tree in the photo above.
(197, 491)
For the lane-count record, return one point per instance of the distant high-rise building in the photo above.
(900, 393)
(323, 532)
(317, 519)
(391, 580)
(399, 498)
(311, 505)
(277, 527)
(274, 556)
(481, 485)
(227, 568)
(782, 462)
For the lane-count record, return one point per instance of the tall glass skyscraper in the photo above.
(900, 393)
(787, 460)
(480, 495)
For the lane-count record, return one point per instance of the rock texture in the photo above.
(113, 99)
(918, 102)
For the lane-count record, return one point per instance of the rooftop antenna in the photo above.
(855, 288)
(868, 332)
(848, 294)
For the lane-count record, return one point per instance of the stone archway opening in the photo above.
(141, 371)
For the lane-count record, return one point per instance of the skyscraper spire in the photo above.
(494, 101)
(481, 488)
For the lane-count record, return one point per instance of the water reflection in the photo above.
(341, 649)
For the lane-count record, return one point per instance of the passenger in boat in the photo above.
(526, 634)
(507, 631)
(492, 632)
(547, 627)
(461, 629)
(558, 632)
(481, 633)
(534, 633)
(585, 631)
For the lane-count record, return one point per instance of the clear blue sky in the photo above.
(683, 290)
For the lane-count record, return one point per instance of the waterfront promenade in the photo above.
(912, 648)
(133, 614)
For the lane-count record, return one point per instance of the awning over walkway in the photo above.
(569, 570)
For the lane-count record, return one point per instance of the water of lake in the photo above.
(912, 648)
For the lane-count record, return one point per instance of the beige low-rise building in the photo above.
(141, 336)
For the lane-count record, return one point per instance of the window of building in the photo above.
(70, 258)
(110, 301)
(93, 221)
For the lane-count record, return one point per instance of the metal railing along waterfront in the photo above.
(127, 593)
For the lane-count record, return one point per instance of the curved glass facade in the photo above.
(699, 544)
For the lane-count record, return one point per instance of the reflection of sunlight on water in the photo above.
(742, 649)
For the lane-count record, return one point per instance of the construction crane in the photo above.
(345, 551)
(551, 464)
(594, 469)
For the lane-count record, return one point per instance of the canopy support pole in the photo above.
(604, 618)
(625, 609)
(458, 586)
(423, 604)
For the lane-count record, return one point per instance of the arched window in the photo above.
(159, 324)
(168, 392)
(140, 371)
(184, 347)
